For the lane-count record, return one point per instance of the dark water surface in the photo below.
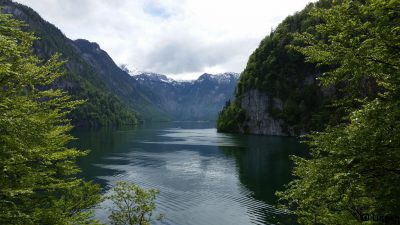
(204, 177)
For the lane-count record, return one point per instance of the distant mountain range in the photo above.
(200, 99)
(115, 97)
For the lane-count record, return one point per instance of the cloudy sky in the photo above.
(179, 38)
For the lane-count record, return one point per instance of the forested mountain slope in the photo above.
(82, 80)
(118, 81)
(113, 97)
(278, 93)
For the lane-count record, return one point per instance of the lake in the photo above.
(204, 177)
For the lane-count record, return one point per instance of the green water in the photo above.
(204, 177)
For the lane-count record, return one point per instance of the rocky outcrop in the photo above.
(278, 93)
(259, 121)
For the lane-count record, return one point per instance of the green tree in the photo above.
(277, 71)
(354, 166)
(132, 205)
(37, 171)
(230, 117)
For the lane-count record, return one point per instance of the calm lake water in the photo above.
(204, 177)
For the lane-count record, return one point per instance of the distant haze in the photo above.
(179, 38)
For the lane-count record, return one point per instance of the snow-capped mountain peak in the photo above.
(153, 77)
(133, 71)
(219, 78)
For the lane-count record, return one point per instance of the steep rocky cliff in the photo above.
(259, 121)
(278, 92)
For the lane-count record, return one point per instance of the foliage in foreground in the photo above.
(354, 169)
(37, 172)
(132, 205)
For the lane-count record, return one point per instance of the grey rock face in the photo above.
(258, 120)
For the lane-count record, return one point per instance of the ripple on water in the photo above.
(195, 188)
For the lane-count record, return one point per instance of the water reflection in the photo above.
(264, 167)
(204, 177)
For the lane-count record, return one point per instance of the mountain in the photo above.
(118, 81)
(157, 97)
(83, 79)
(199, 99)
(110, 93)
(278, 93)
(113, 96)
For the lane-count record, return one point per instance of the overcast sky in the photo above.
(179, 38)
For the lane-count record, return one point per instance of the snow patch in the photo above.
(133, 71)
(138, 75)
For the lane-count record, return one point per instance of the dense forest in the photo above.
(349, 53)
(103, 106)
(278, 70)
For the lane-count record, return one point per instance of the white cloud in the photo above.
(180, 38)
